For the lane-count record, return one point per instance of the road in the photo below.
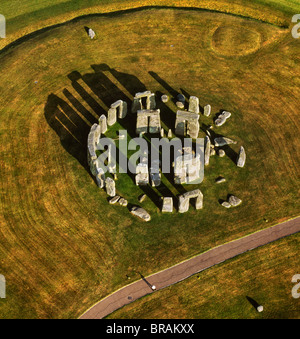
(190, 267)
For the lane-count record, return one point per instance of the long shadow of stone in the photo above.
(72, 114)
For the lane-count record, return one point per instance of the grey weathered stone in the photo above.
(142, 174)
(110, 186)
(164, 98)
(207, 150)
(260, 309)
(142, 198)
(114, 200)
(121, 107)
(222, 141)
(167, 205)
(148, 121)
(187, 124)
(91, 33)
(234, 201)
(184, 200)
(220, 180)
(123, 202)
(181, 97)
(187, 168)
(103, 123)
(221, 153)
(112, 116)
(141, 213)
(222, 118)
(194, 105)
(207, 110)
(155, 175)
(180, 104)
(136, 105)
(100, 178)
(226, 204)
(241, 160)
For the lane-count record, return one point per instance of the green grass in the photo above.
(63, 247)
(224, 291)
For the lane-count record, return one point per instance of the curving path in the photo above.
(187, 268)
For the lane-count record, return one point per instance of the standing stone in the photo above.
(184, 200)
(181, 97)
(241, 158)
(207, 150)
(170, 134)
(110, 187)
(162, 133)
(112, 116)
(260, 309)
(221, 153)
(141, 213)
(194, 105)
(180, 104)
(100, 178)
(167, 205)
(164, 98)
(207, 110)
(136, 105)
(91, 33)
(151, 102)
(103, 123)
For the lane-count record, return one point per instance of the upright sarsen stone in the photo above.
(207, 110)
(194, 105)
(110, 186)
(241, 160)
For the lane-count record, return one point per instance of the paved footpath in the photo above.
(190, 267)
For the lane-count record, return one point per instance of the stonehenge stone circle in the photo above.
(241, 160)
(141, 213)
(222, 118)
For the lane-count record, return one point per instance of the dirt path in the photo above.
(187, 268)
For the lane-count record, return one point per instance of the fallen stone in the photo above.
(212, 152)
(234, 201)
(220, 180)
(222, 118)
(123, 202)
(222, 141)
(110, 187)
(141, 213)
(114, 200)
(142, 198)
(241, 158)
(207, 150)
(180, 104)
(226, 204)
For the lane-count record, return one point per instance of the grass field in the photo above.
(62, 246)
(230, 290)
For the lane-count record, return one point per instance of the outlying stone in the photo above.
(91, 33)
(222, 141)
(241, 160)
(226, 204)
(141, 213)
(222, 118)
(234, 201)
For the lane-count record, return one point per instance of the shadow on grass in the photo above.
(80, 106)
